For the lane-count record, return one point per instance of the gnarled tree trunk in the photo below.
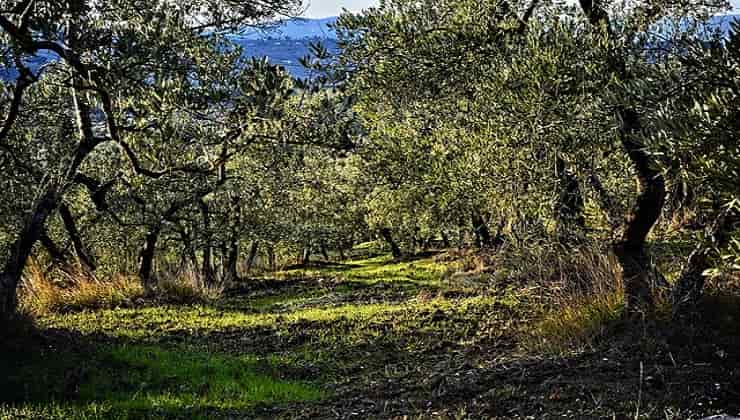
(637, 267)
(32, 230)
(636, 264)
(74, 235)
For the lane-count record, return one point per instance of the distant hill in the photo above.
(284, 44)
(287, 41)
(293, 29)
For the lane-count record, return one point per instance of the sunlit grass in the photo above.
(421, 272)
(189, 357)
(153, 322)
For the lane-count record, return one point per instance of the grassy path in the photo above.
(370, 338)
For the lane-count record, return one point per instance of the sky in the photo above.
(325, 8)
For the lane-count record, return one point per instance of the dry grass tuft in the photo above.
(187, 286)
(75, 290)
(581, 301)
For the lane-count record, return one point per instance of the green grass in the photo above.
(171, 379)
(234, 356)
(134, 380)
(380, 269)
(318, 342)
(153, 323)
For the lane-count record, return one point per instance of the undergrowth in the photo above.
(75, 289)
(442, 332)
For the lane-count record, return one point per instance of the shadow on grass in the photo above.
(59, 371)
(444, 359)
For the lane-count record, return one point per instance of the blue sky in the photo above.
(324, 8)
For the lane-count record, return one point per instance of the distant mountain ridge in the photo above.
(287, 41)
(299, 28)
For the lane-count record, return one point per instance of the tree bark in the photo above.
(74, 235)
(630, 250)
(252, 256)
(146, 259)
(482, 234)
(306, 255)
(445, 240)
(637, 266)
(570, 206)
(271, 257)
(395, 250)
(32, 230)
(232, 260)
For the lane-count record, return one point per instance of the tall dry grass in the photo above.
(575, 294)
(75, 289)
(583, 298)
(187, 285)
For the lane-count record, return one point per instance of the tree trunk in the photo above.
(569, 206)
(232, 260)
(272, 261)
(637, 266)
(324, 252)
(207, 269)
(252, 255)
(306, 255)
(690, 285)
(445, 240)
(482, 234)
(630, 250)
(395, 250)
(146, 259)
(74, 236)
(427, 243)
(32, 230)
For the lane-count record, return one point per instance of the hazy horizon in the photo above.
(326, 8)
